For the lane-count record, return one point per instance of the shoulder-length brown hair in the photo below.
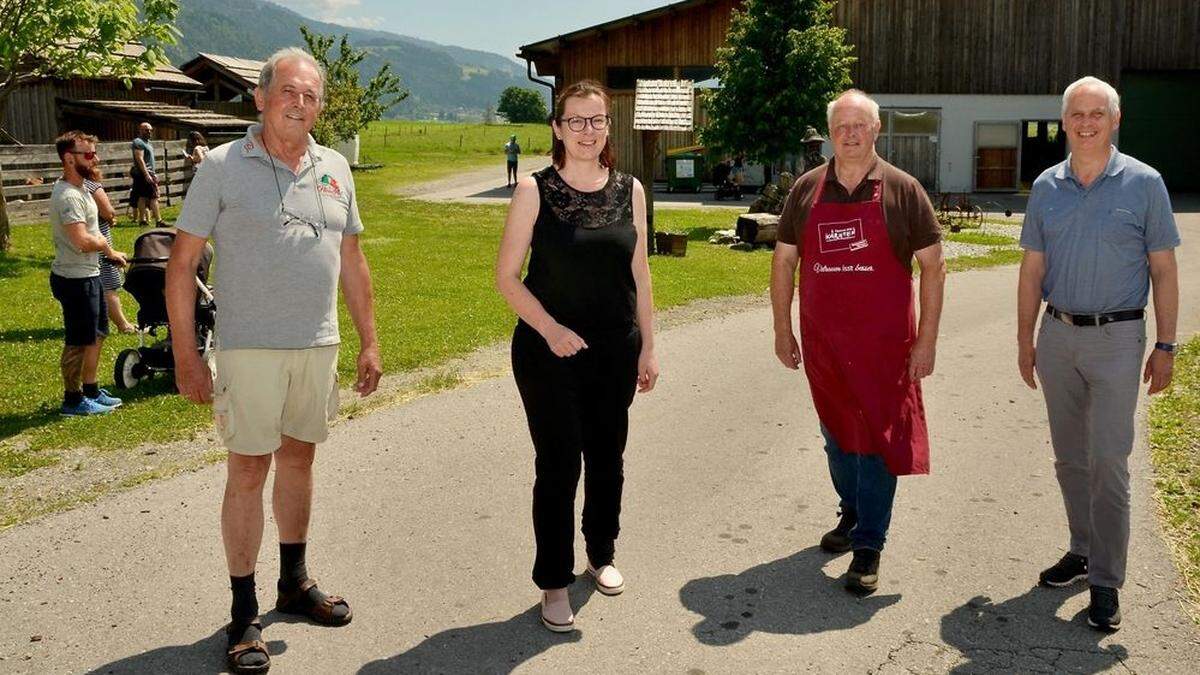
(582, 89)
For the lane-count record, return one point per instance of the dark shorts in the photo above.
(512, 164)
(85, 316)
(143, 187)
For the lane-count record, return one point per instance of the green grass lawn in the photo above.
(432, 269)
(1175, 453)
(415, 152)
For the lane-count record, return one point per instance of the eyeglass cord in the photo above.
(278, 188)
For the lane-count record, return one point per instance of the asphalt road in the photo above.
(422, 522)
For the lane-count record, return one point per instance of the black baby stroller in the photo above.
(146, 281)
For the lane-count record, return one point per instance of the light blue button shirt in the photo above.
(1096, 239)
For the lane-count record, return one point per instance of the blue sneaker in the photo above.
(107, 399)
(87, 406)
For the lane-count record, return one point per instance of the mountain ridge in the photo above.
(443, 80)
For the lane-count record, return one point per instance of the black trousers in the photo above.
(578, 413)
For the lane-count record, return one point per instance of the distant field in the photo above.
(415, 152)
(432, 267)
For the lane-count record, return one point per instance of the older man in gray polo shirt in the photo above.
(283, 213)
(1098, 232)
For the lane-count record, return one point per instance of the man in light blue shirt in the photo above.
(144, 190)
(1098, 236)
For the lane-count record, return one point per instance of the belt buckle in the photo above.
(1066, 317)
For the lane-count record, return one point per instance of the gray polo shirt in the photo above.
(1096, 239)
(275, 282)
(70, 204)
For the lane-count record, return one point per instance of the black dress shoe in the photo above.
(837, 540)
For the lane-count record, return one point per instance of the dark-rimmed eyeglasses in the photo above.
(577, 124)
(87, 154)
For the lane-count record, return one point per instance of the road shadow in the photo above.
(496, 647)
(1025, 634)
(498, 192)
(789, 596)
(203, 656)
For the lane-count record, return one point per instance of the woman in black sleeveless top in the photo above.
(584, 342)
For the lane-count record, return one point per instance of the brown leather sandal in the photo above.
(235, 652)
(297, 602)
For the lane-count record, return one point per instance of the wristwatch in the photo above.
(1168, 347)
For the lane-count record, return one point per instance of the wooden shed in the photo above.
(678, 41)
(970, 91)
(228, 82)
(34, 115)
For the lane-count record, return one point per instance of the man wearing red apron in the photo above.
(853, 228)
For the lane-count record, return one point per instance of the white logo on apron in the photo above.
(847, 235)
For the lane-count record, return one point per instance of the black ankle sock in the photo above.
(72, 398)
(91, 390)
(292, 570)
(245, 601)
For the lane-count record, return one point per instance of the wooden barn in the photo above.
(40, 110)
(228, 82)
(970, 91)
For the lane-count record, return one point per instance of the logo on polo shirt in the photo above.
(844, 236)
(329, 185)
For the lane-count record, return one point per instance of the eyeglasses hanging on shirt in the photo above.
(288, 217)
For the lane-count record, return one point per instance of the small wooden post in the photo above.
(659, 105)
(649, 149)
(166, 179)
(5, 240)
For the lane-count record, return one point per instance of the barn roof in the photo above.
(242, 71)
(550, 46)
(159, 113)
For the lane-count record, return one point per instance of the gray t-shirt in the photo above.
(1096, 239)
(147, 150)
(70, 204)
(275, 282)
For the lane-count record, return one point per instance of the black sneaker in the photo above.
(1105, 611)
(863, 576)
(1065, 572)
(837, 540)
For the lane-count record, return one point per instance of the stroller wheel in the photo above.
(128, 369)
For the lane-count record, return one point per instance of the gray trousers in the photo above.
(1090, 377)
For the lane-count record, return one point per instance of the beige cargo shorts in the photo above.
(260, 395)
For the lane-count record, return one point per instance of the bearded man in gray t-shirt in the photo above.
(283, 215)
(75, 276)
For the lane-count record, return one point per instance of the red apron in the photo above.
(857, 326)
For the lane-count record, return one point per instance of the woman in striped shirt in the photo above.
(110, 276)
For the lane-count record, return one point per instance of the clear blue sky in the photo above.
(491, 25)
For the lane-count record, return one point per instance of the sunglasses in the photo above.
(290, 219)
(89, 155)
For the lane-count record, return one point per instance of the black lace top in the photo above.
(580, 267)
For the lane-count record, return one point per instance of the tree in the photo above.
(522, 105)
(78, 38)
(349, 107)
(782, 64)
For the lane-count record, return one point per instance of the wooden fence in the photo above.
(28, 172)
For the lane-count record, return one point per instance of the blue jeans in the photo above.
(866, 489)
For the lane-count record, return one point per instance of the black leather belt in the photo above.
(1095, 319)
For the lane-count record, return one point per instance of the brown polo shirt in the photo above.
(907, 211)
